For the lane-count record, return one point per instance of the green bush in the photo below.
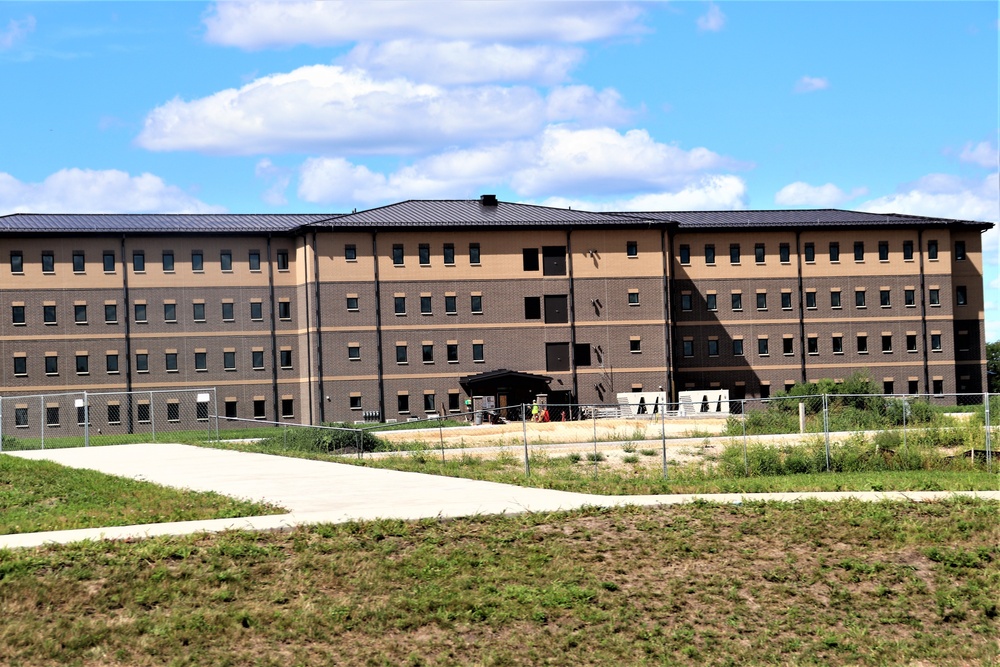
(324, 440)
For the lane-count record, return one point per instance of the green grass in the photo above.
(843, 583)
(40, 496)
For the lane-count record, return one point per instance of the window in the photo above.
(427, 353)
(114, 413)
(734, 253)
(49, 314)
(111, 363)
(838, 344)
(886, 344)
(862, 344)
(936, 342)
(285, 358)
(685, 253)
(687, 347)
(80, 313)
(938, 387)
(556, 309)
(228, 312)
(784, 253)
(811, 300)
(737, 347)
(474, 255)
(932, 250)
(810, 252)
(168, 261)
(138, 261)
(787, 346)
(709, 254)
(352, 303)
(229, 360)
(635, 346)
(201, 361)
(109, 262)
(713, 347)
(142, 413)
(282, 260)
(859, 251)
(883, 251)
(79, 262)
(259, 408)
(350, 252)
(173, 412)
(477, 303)
(762, 347)
(961, 296)
(51, 365)
(737, 300)
(451, 304)
(711, 301)
(429, 403)
(403, 403)
(835, 298)
(631, 249)
(532, 308)
(934, 297)
(686, 301)
(425, 305)
(834, 251)
(142, 362)
(884, 298)
(581, 354)
(284, 310)
(401, 354)
(170, 312)
(231, 412)
(451, 353)
(110, 313)
(198, 312)
(913, 386)
(761, 300)
(812, 345)
(171, 361)
(911, 342)
(256, 311)
(17, 314)
(399, 305)
(449, 254)
(20, 365)
(453, 402)
(908, 250)
(253, 262)
(21, 417)
(51, 416)
(959, 250)
(424, 254)
(557, 356)
(554, 260)
(758, 253)
(257, 358)
(888, 387)
(201, 411)
(48, 262)
(909, 298)
(397, 255)
(197, 261)
(859, 298)
(16, 261)
(786, 300)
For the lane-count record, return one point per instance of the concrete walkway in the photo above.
(323, 492)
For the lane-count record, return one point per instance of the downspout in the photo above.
(378, 330)
(666, 252)
(305, 296)
(802, 312)
(923, 312)
(572, 316)
(274, 338)
(128, 338)
(319, 335)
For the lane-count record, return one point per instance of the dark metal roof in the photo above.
(27, 223)
(824, 217)
(503, 374)
(471, 213)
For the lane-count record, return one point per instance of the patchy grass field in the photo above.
(844, 583)
(40, 495)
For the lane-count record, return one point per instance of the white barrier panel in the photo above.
(704, 401)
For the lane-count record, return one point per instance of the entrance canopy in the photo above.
(521, 387)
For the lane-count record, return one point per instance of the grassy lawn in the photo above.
(843, 583)
(40, 495)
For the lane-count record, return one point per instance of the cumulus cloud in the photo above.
(809, 84)
(16, 31)
(97, 191)
(331, 109)
(803, 194)
(258, 25)
(944, 196)
(984, 154)
(277, 178)
(464, 62)
(723, 192)
(713, 20)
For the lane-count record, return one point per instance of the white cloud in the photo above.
(809, 84)
(97, 191)
(803, 194)
(984, 154)
(278, 179)
(944, 196)
(16, 31)
(710, 193)
(713, 20)
(258, 25)
(464, 62)
(330, 109)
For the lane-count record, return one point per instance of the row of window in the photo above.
(423, 254)
(809, 252)
(812, 345)
(109, 260)
(427, 353)
(198, 308)
(860, 299)
(427, 304)
(112, 364)
(144, 413)
(429, 402)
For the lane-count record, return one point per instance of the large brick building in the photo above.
(402, 310)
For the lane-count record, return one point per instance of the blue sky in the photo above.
(304, 107)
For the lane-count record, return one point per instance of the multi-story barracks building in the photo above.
(408, 309)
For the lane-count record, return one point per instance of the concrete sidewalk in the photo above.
(323, 492)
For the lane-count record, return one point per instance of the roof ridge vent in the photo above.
(488, 200)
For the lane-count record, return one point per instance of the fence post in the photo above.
(826, 428)
(86, 420)
(989, 439)
(663, 436)
(1, 424)
(593, 411)
(746, 462)
(41, 402)
(524, 435)
(441, 437)
(906, 408)
(152, 416)
(215, 411)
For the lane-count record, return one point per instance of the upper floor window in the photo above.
(961, 296)
(253, 261)
(758, 253)
(734, 253)
(631, 249)
(424, 254)
(197, 261)
(397, 255)
(168, 261)
(932, 249)
(959, 250)
(685, 254)
(109, 261)
(350, 252)
(883, 251)
(810, 252)
(474, 253)
(282, 260)
(17, 315)
(79, 262)
(784, 253)
(859, 251)
(138, 261)
(16, 261)
(48, 262)
(256, 311)
(449, 253)
(477, 303)
(834, 251)
(907, 250)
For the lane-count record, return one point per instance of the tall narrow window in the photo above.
(399, 305)
(424, 254)
(477, 303)
(397, 255)
(784, 253)
(961, 296)
(451, 304)
(737, 301)
(762, 347)
(48, 262)
(109, 262)
(79, 262)
(685, 254)
(908, 250)
(478, 355)
(959, 250)
(859, 298)
(884, 298)
(138, 261)
(16, 261)
(474, 253)
(253, 262)
(80, 314)
(197, 260)
(883, 251)
(786, 300)
(932, 249)
(862, 344)
(758, 253)
(710, 254)
(859, 251)
(631, 249)
(198, 312)
(168, 261)
(449, 254)
(810, 252)
(734, 253)
(281, 259)
(140, 312)
(834, 251)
